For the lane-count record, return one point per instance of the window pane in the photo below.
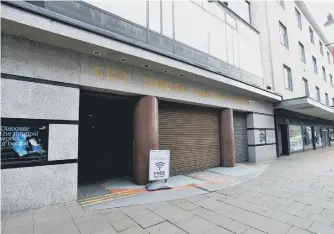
(154, 15)
(283, 35)
(136, 13)
(311, 35)
(317, 135)
(287, 77)
(301, 52)
(306, 91)
(298, 17)
(315, 68)
(296, 138)
(186, 14)
(242, 8)
(217, 39)
(324, 74)
(308, 143)
(318, 94)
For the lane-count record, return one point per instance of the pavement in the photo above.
(122, 192)
(295, 195)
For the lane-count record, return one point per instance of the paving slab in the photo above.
(314, 209)
(226, 223)
(92, 225)
(56, 226)
(295, 230)
(196, 225)
(253, 231)
(219, 230)
(300, 222)
(165, 228)
(148, 220)
(320, 228)
(173, 214)
(123, 224)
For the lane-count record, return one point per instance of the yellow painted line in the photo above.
(104, 198)
(109, 199)
(106, 195)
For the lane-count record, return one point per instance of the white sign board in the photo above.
(159, 164)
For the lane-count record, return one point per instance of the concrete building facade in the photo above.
(301, 68)
(89, 88)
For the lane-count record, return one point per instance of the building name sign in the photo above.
(119, 76)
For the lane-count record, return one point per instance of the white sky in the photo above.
(320, 10)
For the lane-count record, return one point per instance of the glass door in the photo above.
(308, 140)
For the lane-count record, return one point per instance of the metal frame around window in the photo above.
(315, 66)
(289, 85)
(321, 48)
(299, 19)
(324, 73)
(318, 93)
(285, 30)
(311, 35)
(328, 58)
(306, 89)
(327, 99)
(302, 52)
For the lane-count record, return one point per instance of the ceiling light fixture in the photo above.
(123, 60)
(97, 53)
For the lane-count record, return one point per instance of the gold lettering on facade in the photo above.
(97, 72)
(116, 75)
(202, 92)
(106, 73)
(126, 77)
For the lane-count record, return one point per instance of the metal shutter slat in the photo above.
(240, 137)
(191, 133)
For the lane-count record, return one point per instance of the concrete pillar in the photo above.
(146, 136)
(226, 131)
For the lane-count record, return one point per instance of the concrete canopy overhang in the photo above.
(307, 106)
(19, 22)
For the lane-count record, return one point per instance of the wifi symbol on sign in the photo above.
(159, 165)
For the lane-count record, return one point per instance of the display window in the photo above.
(296, 138)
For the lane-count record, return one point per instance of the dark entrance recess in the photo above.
(105, 136)
(283, 139)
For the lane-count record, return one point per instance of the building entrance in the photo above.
(105, 137)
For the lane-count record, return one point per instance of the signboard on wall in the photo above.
(23, 142)
(262, 136)
(159, 164)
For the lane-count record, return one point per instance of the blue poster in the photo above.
(21, 143)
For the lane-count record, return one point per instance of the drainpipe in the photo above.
(270, 56)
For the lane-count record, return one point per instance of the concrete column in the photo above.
(146, 136)
(226, 131)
